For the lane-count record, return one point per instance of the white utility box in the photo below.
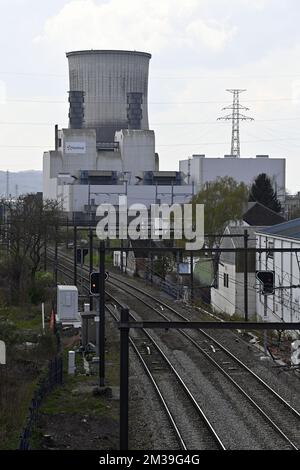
(67, 304)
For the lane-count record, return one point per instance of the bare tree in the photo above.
(28, 224)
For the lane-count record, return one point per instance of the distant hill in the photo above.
(21, 182)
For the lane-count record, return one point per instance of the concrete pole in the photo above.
(102, 313)
(124, 380)
(43, 317)
(265, 320)
(75, 253)
(246, 236)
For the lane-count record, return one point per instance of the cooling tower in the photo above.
(108, 91)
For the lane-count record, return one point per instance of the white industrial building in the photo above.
(284, 305)
(108, 149)
(200, 169)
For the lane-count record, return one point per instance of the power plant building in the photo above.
(200, 169)
(108, 149)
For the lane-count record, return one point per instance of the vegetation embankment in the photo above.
(27, 225)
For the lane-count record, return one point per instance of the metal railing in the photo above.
(53, 377)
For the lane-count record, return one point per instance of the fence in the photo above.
(53, 377)
(174, 290)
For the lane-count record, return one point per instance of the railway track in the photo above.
(163, 376)
(284, 420)
(218, 355)
(185, 416)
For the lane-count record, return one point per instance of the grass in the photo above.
(69, 404)
(76, 392)
(72, 396)
(75, 395)
(24, 318)
(18, 379)
(14, 399)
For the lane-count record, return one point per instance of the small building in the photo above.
(228, 294)
(284, 304)
(67, 304)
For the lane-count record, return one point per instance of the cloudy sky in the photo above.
(199, 48)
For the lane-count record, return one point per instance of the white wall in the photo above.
(245, 170)
(110, 161)
(230, 299)
(284, 304)
(49, 183)
(137, 149)
(73, 162)
(223, 299)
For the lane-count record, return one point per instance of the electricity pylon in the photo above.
(236, 117)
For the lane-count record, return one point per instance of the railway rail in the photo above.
(284, 419)
(161, 372)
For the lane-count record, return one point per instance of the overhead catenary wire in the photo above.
(165, 77)
(186, 144)
(187, 123)
(63, 101)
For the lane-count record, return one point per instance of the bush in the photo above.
(40, 291)
(8, 332)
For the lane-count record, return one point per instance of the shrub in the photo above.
(40, 291)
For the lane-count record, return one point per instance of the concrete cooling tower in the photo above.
(108, 91)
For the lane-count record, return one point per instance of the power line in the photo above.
(187, 144)
(266, 100)
(166, 77)
(152, 124)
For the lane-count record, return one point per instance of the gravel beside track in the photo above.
(235, 419)
(276, 413)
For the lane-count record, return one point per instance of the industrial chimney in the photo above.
(108, 91)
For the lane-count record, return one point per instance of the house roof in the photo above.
(258, 214)
(236, 242)
(289, 229)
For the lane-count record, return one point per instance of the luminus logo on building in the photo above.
(75, 147)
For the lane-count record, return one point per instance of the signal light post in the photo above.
(102, 313)
(97, 288)
(266, 278)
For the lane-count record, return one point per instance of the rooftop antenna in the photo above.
(236, 117)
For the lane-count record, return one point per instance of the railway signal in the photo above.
(267, 279)
(80, 255)
(95, 282)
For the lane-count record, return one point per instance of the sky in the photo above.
(199, 49)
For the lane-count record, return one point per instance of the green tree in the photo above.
(224, 201)
(263, 192)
